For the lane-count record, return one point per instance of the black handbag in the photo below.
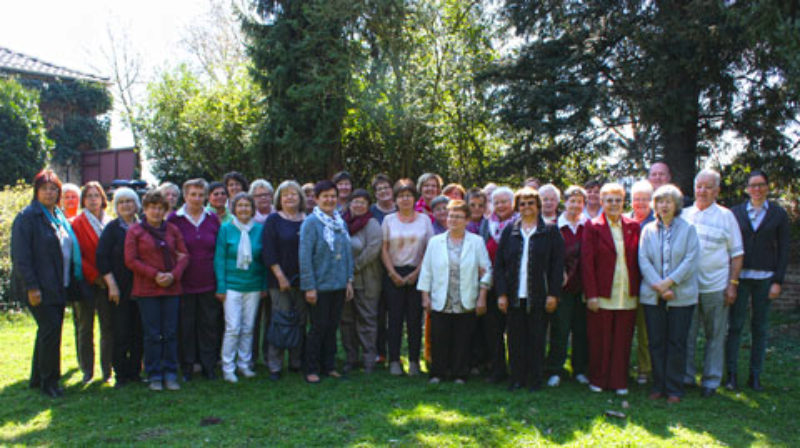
(284, 329)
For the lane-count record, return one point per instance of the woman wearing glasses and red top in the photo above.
(610, 273)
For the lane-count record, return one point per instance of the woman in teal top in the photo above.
(241, 283)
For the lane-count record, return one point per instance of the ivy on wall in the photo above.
(74, 113)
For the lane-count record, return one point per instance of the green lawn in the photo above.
(380, 410)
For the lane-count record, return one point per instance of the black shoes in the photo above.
(731, 384)
(514, 386)
(708, 392)
(53, 391)
(755, 382)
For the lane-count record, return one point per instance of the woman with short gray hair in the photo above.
(668, 251)
(261, 191)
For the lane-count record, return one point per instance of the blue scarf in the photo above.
(59, 220)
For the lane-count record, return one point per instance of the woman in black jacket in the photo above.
(127, 325)
(529, 270)
(765, 234)
(45, 257)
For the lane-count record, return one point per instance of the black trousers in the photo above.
(668, 331)
(494, 328)
(450, 344)
(526, 344)
(404, 304)
(321, 340)
(200, 331)
(260, 327)
(383, 319)
(46, 364)
(128, 340)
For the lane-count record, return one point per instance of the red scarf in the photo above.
(356, 223)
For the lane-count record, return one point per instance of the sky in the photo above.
(71, 34)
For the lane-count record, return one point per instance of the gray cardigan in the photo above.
(682, 265)
(368, 270)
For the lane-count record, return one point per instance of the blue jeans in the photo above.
(160, 328)
(667, 330)
(758, 291)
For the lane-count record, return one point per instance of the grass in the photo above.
(380, 410)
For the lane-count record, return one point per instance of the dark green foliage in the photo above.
(657, 79)
(73, 112)
(23, 143)
(303, 58)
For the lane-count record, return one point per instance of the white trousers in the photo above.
(237, 343)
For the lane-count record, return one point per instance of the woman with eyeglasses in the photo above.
(610, 273)
(529, 270)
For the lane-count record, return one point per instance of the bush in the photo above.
(12, 200)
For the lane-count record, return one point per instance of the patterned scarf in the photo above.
(97, 224)
(333, 224)
(496, 226)
(244, 253)
(59, 220)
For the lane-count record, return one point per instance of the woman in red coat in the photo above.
(610, 274)
(88, 226)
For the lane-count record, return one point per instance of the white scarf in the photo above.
(244, 254)
(97, 224)
(332, 224)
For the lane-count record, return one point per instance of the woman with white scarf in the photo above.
(88, 226)
(127, 324)
(241, 283)
(326, 276)
(491, 327)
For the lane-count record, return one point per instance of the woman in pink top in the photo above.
(157, 255)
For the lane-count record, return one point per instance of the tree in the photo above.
(417, 106)
(23, 141)
(302, 52)
(200, 129)
(670, 78)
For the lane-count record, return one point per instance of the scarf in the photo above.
(356, 223)
(244, 253)
(125, 225)
(97, 224)
(333, 224)
(160, 236)
(496, 226)
(59, 220)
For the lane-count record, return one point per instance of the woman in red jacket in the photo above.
(88, 226)
(610, 274)
(157, 255)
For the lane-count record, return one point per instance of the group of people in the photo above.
(486, 281)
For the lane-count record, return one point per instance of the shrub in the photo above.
(12, 200)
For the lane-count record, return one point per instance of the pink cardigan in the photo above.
(144, 258)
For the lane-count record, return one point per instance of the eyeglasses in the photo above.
(613, 200)
(526, 203)
(262, 195)
(757, 185)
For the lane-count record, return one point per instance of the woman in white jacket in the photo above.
(454, 298)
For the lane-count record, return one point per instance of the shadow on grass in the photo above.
(380, 410)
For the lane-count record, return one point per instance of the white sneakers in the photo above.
(622, 391)
(247, 373)
(554, 381)
(594, 388)
(581, 378)
(230, 377)
(413, 368)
